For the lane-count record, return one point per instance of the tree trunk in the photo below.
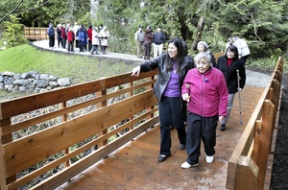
(197, 36)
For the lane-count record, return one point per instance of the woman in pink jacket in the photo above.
(205, 90)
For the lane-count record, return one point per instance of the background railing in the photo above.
(37, 33)
(58, 134)
(247, 165)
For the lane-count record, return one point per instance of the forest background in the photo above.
(262, 23)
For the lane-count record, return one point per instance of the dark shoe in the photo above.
(182, 146)
(222, 127)
(162, 157)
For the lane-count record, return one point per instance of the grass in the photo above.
(79, 68)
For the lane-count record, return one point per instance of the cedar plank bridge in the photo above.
(243, 159)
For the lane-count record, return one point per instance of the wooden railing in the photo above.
(66, 120)
(36, 33)
(248, 163)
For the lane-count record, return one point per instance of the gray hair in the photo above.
(202, 55)
(203, 43)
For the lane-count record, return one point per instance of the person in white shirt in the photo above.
(104, 34)
(242, 47)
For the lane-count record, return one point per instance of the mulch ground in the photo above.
(280, 162)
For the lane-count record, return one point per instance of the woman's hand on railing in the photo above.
(136, 71)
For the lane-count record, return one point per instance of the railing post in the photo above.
(64, 118)
(102, 104)
(265, 140)
(4, 140)
(247, 171)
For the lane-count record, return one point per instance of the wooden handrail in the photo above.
(38, 148)
(256, 138)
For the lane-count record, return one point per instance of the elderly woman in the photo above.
(205, 90)
(172, 68)
(202, 46)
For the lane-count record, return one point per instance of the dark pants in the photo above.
(59, 42)
(81, 45)
(51, 41)
(147, 51)
(170, 112)
(77, 43)
(63, 43)
(244, 58)
(200, 128)
(89, 45)
(71, 46)
(94, 48)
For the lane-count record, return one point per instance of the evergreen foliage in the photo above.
(13, 32)
(263, 23)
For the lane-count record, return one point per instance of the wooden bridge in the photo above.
(104, 134)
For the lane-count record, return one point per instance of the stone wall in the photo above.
(31, 81)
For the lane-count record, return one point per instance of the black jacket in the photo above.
(163, 75)
(230, 73)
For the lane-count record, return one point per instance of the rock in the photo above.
(64, 81)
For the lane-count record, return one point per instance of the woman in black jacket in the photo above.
(172, 69)
(229, 64)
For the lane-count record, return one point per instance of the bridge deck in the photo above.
(135, 166)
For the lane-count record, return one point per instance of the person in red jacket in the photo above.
(63, 37)
(205, 90)
(89, 33)
(70, 39)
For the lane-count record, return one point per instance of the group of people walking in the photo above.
(146, 39)
(77, 35)
(204, 87)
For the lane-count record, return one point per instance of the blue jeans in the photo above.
(170, 112)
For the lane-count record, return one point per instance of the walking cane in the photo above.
(239, 92)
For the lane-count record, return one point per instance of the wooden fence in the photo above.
(46, 151)
(36, 33)
(247, 165)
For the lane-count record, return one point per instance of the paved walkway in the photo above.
(44, 44)
(253, 78)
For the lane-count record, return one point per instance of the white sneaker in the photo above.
(209, 159)
(186, 165)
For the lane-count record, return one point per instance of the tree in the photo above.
(13, 32)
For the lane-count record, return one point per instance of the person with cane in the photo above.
(231, 65)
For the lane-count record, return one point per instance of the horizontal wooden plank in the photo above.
(33, 121)
(36, 101)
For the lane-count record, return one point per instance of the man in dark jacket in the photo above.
(158, 41)
(51, 34)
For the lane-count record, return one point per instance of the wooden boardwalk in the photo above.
(135, 166)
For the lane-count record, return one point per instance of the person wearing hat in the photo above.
(202, 46)
(139, 38)
(51, 34)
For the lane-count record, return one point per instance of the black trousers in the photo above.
(51, 41)
(200, 128)
(170, 112)
(71, 46)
